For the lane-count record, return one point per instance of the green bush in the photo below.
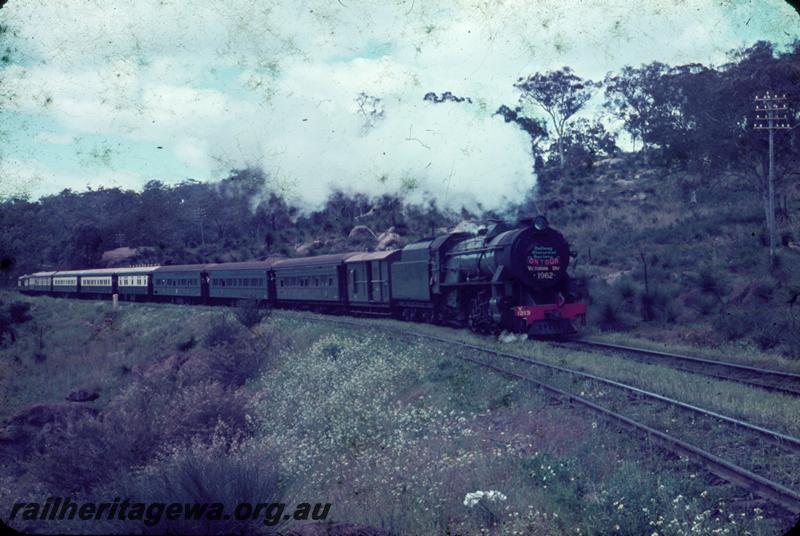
(764, 290)
(769, 330)
(733, 324)
(19, 312)
(711, 281)
(626, 288)
(187, 344)
(648, 302)
(791, 343)
(169, 404)
(609, 315)
(15, 313)
(250, 313)
(224, 471)
(233, 366)
(223, 332)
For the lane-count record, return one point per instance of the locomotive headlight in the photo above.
(540, 223)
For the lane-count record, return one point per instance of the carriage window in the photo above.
(355, 287)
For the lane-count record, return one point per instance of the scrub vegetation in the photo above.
(396, 434)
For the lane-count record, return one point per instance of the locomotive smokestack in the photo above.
(539, 222)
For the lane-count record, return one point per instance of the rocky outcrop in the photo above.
(307, 248)
(123, 256)
(361, 232)
(388, 239)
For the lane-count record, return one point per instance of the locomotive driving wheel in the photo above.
(480, 317)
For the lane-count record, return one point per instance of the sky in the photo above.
(118, 93)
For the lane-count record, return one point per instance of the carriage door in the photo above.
(376, 282)
(368, 280)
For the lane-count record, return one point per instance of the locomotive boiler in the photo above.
(515, 277)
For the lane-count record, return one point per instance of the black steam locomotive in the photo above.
(511, 277)
(507, 277)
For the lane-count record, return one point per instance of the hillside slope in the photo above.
(678, 256)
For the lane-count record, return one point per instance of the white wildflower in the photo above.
(471, 499)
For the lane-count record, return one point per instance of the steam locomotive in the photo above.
(506, 277)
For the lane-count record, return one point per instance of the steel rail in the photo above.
(781, 375)
(791, 441)
(779, 437)
(768, 489)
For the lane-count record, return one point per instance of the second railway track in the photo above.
(768, 487)
(762, 378)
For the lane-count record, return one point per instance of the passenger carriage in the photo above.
(40, 282)
(180, 283)
(231, 281)
(135, 283)
(95, 283)
(312, 282)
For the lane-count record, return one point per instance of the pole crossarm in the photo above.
(775, 110)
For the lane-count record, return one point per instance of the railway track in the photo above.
(767, 379)
(765, 487)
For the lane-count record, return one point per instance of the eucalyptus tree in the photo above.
(560, 94)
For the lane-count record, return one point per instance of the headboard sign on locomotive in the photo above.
(544, 262)
(509, 276)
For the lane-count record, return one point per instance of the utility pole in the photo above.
(200, 216)
(775, 117)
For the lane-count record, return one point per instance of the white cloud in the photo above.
(273, 83)
(54, 138)
(30, 178)
(194, 152)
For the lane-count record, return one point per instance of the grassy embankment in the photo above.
(394, 435)
(677, 257)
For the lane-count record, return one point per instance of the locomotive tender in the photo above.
(511, 277)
